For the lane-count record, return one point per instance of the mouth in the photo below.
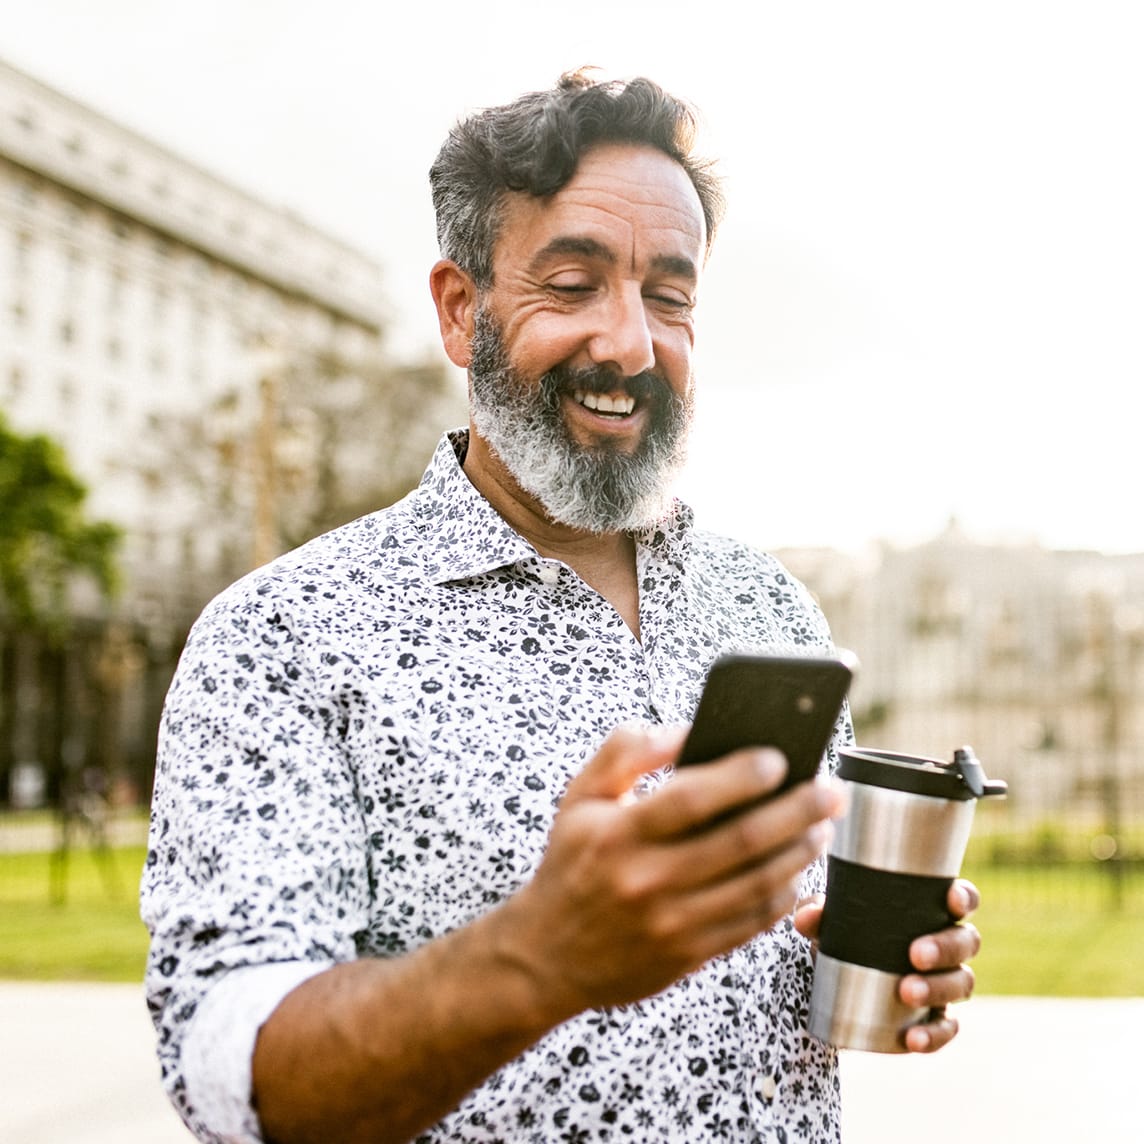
(614, 405)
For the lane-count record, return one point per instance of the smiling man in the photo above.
(417, 869)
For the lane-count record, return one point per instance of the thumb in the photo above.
(630, 751)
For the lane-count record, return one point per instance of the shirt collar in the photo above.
(468, 537)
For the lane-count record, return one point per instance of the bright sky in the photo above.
(927, 300)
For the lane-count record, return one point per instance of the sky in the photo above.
(926, 302)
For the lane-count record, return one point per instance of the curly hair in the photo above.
(534, 144)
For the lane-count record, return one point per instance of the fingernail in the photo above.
(926, 953)
(915, 992)
(770, 765)
(966, 898)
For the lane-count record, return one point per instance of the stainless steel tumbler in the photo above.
(891, 863)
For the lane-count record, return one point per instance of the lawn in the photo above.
(1044, 933)
(1059, 933)
(94, 934)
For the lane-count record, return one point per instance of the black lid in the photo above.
(962, 779)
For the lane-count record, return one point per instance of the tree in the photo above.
(46, 541)
(362, 434)
(316, 440)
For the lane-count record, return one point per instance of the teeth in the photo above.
(605, 403)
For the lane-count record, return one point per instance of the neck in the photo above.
(604, 560)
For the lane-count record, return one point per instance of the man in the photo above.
(370, 922)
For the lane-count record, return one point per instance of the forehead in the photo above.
(633, 199)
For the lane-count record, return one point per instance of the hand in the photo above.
(634, 893)
(942, 978)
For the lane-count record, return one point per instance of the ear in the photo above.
(455, 294)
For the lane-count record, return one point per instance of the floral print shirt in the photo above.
(364, 747)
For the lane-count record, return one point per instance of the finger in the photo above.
(964, 898)
(732, 912)
(933, 1035)
(629, 752)
(808, 916)
(700, 797)
(937, 990)
(946, 949)
(734, 843)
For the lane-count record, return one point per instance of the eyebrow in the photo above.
(591, 248)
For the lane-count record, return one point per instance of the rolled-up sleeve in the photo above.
(256, 852)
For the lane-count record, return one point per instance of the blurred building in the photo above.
(1033, 656)
(156, 321)
(137, 291)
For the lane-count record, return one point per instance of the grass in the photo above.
(1046, 932)
(1056, 932)
(93, 934)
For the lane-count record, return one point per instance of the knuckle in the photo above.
(633, 883)
(691, 799)
(748, 834)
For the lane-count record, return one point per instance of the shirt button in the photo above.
(768, 1086)
(549, 572)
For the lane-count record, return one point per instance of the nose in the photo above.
(623, 339)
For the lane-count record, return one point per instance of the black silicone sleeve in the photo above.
(871, 916)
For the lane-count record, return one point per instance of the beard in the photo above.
(594, 488)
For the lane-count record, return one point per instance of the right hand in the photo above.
(634, 893)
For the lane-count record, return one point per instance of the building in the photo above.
(1033, 656)
(139, 295)
(135, 290)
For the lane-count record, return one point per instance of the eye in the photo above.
(672, 301)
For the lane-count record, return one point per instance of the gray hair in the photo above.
(534, 144)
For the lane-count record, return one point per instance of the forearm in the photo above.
(379, 1049)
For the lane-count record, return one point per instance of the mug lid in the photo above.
(963, 779)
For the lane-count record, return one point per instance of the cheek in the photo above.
(674, 352)
(542, 341)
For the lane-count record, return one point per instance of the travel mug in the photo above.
(894, 856)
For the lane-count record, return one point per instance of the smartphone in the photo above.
(788, 702)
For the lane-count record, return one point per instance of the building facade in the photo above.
(137, 290)
(1033, 656)
(139, 295)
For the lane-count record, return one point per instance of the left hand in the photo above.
(942, 978)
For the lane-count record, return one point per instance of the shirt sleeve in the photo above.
(256, 853)
(219, 1045)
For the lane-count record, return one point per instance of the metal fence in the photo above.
(78, 720)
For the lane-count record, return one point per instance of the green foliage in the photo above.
(45, 539)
